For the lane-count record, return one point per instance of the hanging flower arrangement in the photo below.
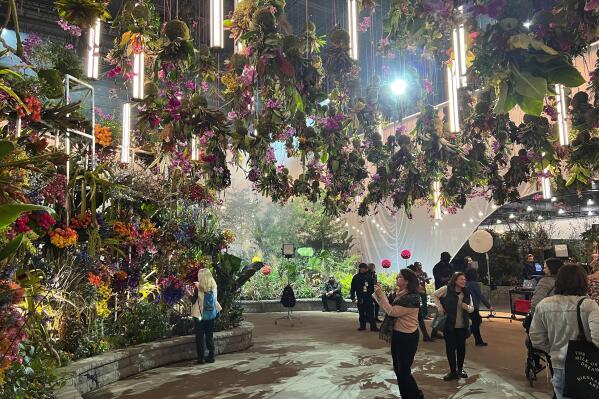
(63, 238)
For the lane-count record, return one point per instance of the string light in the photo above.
(437, 200)
(93, 49)
(217, 35)
(138, 75)
(125, 138)
(352, 14)
(561, 115)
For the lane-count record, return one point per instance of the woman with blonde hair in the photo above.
(204, 309)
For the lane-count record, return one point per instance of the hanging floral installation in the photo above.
(90, 245)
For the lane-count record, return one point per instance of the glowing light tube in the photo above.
(195, 151)
(459, 51)
(138, 75)
(93, 50)
(126, 131)
(562, 111)
(217, 35)
(352, 14)
(437, 200)
(452, 93)
(546, 186)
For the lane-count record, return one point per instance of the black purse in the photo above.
(582, 365)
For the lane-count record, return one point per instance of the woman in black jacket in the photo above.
(454, 301)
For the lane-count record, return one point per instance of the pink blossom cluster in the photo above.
(72, 30)
(365, 24)
(54, 191)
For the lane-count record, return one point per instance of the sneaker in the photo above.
(462, 374)
(451, 376)
(482, 344)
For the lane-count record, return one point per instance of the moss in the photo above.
(265, 20)
(141, 11)
(292, 44)
(177, 30)
(338, 37)
(238, 62)
(203, 50)
(198, 100)
(151, 89)
(52, 78)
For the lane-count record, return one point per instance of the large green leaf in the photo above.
(11, 247)
(568, 76)
(502, 94)
(528, 85)
(306, 251)
(531, 106)
(10, 212)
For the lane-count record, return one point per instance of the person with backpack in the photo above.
(400, 326)
(204, 310)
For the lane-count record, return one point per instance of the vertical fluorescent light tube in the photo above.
(546, 186)
(452, 93)
(125, 138)
(352, 13)
(217, 36)
(562, 111)
(195, 153)
(18, 127)
(459, 52)
(138, 75)
(437, 199)
(93, 49)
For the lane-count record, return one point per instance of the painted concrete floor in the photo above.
(323, 356)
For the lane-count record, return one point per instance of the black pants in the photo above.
(475, 326)
(422, 325)
(455, 347)
(424, 305)
(204, 328)
(366, 313)
(376, 310)
(336, 296)
(403, 350)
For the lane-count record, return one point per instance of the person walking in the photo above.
(362, 287)
(453, 301)
(442, 271)
(404, 310)
(546, 285)
(372, 272)
(473, 287)
(555, 322)
(204, 309)
(422, 280)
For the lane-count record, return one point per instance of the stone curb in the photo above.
(87, 375)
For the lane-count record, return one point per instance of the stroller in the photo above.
(536, 359)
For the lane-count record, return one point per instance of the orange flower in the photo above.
(94, 279)
(103, 135)
(64, 237)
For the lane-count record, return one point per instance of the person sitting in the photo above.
(332, 290)
(546, 285)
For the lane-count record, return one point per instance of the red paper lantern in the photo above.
(405, 254)
(266, 270)
(386, 263)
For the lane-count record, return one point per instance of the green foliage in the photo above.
(34, 378)
(56, 57)
(144, 322)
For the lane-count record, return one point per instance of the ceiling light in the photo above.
(527, 24)
(463, 224)
(471, 220)
(540, 217)
(561, 211)
(590, 202)
(499, 221)
(529, 208)
(512, 216)
(591, 213)
(436, 223)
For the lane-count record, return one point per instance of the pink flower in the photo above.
(113, 72)
(365, 24)
(270, 155)
(428, 87)
(232, 115)
(69, 46)
(406, 254)
(248, 76)
(592, 6)
(204, 86)
(190, 85)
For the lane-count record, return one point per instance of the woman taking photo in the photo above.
(555, 322)
(453, 301)
(204, 309)
(404, 342)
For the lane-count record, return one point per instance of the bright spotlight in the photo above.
(527, 24)
(399, 87)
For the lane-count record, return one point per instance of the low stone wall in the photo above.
(95, 372)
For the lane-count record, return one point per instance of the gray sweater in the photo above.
(544, 288)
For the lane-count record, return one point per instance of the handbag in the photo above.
(582, 365)
(439, 322)
(386, 328)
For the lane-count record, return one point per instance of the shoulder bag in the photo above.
(582, 365)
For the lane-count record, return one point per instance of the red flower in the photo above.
(386, 263)
(266, 270)
(405, 254)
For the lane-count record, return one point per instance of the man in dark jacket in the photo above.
(362, 287)
(332, 290)
(443, 270)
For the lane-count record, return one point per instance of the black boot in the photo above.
(210, 358)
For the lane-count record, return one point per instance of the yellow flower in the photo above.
(231, 82)
(102, 309)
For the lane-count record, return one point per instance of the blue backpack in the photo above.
(209, 311)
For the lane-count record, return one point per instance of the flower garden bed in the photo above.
(90, 374)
